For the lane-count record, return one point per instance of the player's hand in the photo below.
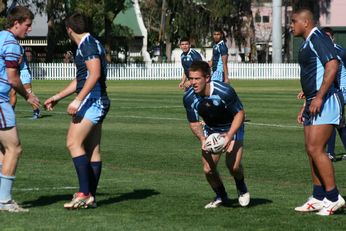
(301, 95)
(300, 118)
(50, 103)
(33, 100)
(187, 84)
(228, 140)
(203, 145)
(74, 106)
(181, 85)
(315, 106)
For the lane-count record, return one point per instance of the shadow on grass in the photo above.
(253, 202)
(137, 194)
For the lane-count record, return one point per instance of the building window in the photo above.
(265, 19)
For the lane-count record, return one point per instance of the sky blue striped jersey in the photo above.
(10, 54)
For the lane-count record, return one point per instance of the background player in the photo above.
(341, 52)
(19, 22)
(323, 109)
(88, 110)
(220, 57)
(26, 78)
(219, 106)
(187, 57)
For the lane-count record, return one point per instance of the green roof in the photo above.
(128, 18)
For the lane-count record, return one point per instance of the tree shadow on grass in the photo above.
(136, 194)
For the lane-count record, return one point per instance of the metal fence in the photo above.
(168, 71)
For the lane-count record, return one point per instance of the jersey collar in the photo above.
(311, 32)
(83, 38)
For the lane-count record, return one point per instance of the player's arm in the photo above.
(197, 130)
(183, 80)
(225, 68)
(68, 90)
(330, 70)
(94, 70)
(237, 122)
(16, 84)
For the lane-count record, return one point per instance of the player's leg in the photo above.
(13, 98)
(212, 175)
(92, 147)
(77, 133)
(233, 161)
(35, 110)
(342, 134)
(331, 146)
(322, 168)
(12, 150)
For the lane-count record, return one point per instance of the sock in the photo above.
(241, 186)
(36, 111)
(220, 191)
(6, 187)
(81, 164)
(332, 195)
(94, 176)
(331, 143)
(318, 192)
(342, 134)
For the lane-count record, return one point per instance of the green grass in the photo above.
(152, 177)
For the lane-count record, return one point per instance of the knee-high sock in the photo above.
(331, 143)
(6, 187)
(82, 164)
(94, 175)
(342, 134)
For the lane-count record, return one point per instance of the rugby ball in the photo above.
(214, 143)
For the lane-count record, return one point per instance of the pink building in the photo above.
(335, 15)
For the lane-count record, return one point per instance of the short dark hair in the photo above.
(200, 66)
(78, 22)
(328, 30)
(306, 10)
(218, 29)
(20, 14)
(185, 39)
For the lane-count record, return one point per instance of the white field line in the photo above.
(178, 119)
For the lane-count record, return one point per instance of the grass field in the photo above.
(152, 177)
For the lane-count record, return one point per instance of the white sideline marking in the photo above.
(47, 189)
(175, 119)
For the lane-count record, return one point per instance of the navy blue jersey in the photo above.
(217, 110)
(187, 59)
(90, 48)
(314, 53)
(219, 50)
(341, 52)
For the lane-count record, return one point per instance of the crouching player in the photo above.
(88, 110)
(219, 106)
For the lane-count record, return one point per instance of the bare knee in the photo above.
(14, 150)
(207, 170)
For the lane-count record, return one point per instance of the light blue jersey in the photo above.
(10, 57)
(25, 73)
